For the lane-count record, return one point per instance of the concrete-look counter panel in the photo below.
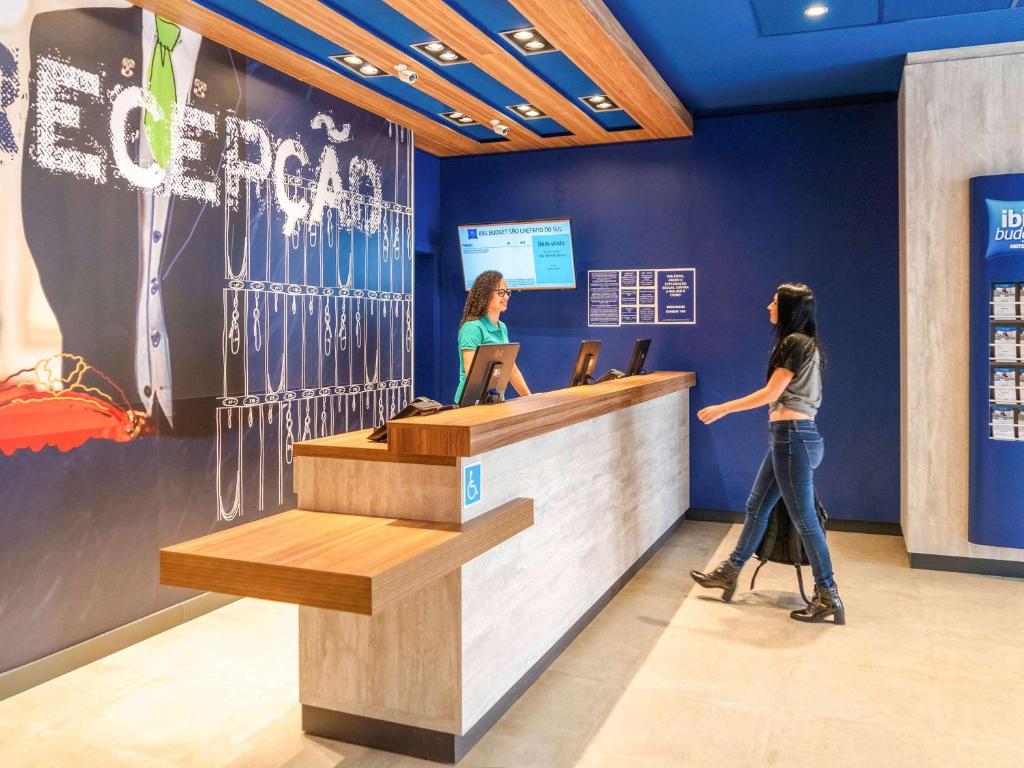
(607, 467)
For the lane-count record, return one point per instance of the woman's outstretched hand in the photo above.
(712, 413)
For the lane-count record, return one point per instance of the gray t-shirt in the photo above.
(799, 353)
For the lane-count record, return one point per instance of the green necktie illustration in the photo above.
(161, 85)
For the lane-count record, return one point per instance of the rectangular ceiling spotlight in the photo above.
(358, 64)
(600, 103)
(460, 119)
(528, 41)
(526, 111)
(440, 53)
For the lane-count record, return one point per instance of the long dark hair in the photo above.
(479, 297)
(797, 313)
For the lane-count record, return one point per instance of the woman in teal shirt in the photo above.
(487, 299)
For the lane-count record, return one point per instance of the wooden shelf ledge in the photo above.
(472, 431)
(349, 563)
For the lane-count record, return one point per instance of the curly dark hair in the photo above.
(479, 297)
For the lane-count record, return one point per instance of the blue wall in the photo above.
(427, 326)
(750, 202)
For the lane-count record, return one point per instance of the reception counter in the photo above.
(439, 574)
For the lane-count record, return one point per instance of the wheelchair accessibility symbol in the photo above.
(472, 484)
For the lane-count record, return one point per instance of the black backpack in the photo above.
(781, 542)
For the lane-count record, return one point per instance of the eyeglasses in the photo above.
(503, 292)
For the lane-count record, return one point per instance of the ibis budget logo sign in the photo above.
(1005, 227)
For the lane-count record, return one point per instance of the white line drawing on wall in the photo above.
(317, 325)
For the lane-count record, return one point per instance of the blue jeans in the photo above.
(788, 471)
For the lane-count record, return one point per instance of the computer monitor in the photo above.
(639, 356)
(586, 360)
(488, 374)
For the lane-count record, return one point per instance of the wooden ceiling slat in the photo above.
(590, 35)
(331, 25)
(431, 136)
(444, 23)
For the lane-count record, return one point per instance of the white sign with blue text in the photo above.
(472, 484)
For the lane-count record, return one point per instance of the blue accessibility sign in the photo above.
(472, 484)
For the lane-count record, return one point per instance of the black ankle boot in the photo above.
(724, 577)
(826, 602)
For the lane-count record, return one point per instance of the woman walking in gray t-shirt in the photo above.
(793, 396)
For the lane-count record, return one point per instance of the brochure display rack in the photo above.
(996, 511)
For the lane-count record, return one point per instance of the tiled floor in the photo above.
(929, 671)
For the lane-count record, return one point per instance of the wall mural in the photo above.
(203, 261)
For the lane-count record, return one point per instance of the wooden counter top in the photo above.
(342, 562)
(443, 437)
(471, 431)
(354, 445)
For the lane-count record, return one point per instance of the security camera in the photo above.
(405, 74)
(499, 128)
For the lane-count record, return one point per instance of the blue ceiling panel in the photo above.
(555, 68)
(786, 17)
(492, 16)
(905, 10)
(711, 52)
(381, 19)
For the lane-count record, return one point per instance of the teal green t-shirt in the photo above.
(472, 334)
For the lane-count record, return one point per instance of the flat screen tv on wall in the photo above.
(532, 255)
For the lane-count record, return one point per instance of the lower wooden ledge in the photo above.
(341, 562)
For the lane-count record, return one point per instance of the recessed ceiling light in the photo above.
(528, 41)
(526, 111)
(439, 52)
(600, 102)
(358, 64)
(459, 118)
(816, 10)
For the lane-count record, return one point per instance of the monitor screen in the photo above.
(530, 254)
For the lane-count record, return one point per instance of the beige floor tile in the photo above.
(813, 742)
(970, 712)
(926, 673)
(820, 686)
(974, 753)
(673, 727)
(559, 709)
(22, 748)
